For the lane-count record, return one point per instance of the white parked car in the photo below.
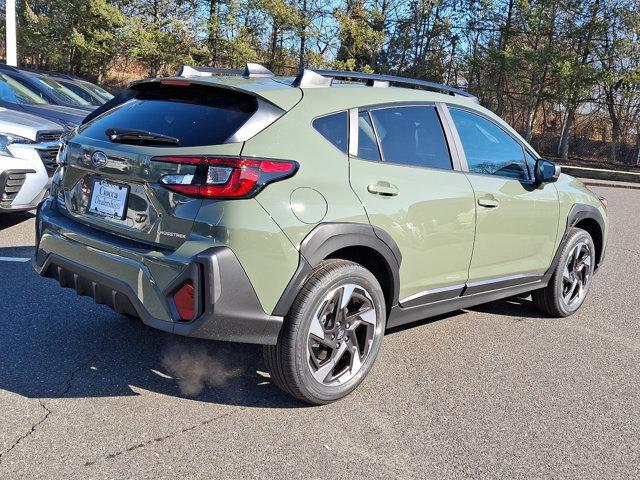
(28, 149)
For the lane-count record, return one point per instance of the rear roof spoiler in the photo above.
(251, 70)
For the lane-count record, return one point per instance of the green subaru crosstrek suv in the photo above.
(309, 214)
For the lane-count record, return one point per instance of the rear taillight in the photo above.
(185, 301)
(225, 177)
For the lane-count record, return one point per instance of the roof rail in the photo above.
(310, 78)
(49, 74)
(4, 66)
(58, 75)
(374, 80)
(251, 70)
(255, 70)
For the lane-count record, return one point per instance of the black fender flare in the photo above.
(326, 239)
(578, 212)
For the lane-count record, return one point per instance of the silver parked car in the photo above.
(28, 149)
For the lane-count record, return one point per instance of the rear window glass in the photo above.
(196, 115)
(335, 128)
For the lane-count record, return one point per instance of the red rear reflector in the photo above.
(176, 83)
(185, 301)
(225, 177)
(268, 166)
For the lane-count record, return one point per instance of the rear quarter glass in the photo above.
(334, 128)
(196, 115)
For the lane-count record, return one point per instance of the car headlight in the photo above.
(7, 139)
(57, 191)
(61, 157)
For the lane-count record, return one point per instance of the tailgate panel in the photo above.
(154, 214)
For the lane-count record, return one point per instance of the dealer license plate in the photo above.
(109, 199)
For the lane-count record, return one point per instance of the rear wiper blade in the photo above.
(123, 135)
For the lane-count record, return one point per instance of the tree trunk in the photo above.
(567, 127)
(528, 131)
(504, 43)
(274, 45)
(303, 34)
(213, 31)
(616, 129)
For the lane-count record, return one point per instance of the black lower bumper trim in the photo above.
(229, 307)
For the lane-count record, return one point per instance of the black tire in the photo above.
(551, 298)
(289, 361)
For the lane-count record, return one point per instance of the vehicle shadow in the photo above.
(109, 355)
(425, 321)
(520, 307)
(8, 220)
(58, 345)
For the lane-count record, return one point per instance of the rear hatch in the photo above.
(111, 180)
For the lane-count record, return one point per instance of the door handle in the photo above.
(488, 202)
(383, 188)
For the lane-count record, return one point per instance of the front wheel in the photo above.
(332, 334)
(570, 282)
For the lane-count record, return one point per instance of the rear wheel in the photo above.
(571, 280)
(331, 336)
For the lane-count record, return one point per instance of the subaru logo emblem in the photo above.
(99, 159)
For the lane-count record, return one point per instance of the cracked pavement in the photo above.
(497, 391)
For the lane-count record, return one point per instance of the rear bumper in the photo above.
(141, 284)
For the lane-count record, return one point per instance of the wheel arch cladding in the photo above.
(359, 243)
(373, 261)
(588, 218)
(592, 227)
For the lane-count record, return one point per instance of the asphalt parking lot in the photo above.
(494, 392)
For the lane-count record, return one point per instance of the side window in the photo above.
(6, 93)
(80, 92)
(488, 148)
(367, 143)
(335, 128)
(30, 88)
(412, 136)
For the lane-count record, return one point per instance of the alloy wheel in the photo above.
(341, 334)
(576, 275)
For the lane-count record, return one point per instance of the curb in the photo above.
(610, 185)
(601, 174)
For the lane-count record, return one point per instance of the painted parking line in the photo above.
(14, 259)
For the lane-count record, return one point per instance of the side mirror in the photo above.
(546, 171)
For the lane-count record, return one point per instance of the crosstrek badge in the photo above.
(172, 234)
